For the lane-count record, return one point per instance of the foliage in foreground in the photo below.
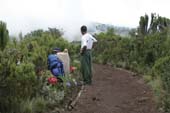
(23, 72)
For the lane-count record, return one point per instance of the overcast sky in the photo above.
(26, 15)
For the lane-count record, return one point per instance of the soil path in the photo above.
(115, 91)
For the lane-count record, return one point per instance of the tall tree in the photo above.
(143, 25)
(4, 36)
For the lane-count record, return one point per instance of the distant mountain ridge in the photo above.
(99, 27)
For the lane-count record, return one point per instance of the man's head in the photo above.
(83, 29)
(56, 50)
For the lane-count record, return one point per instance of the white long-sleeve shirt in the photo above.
(87, 40)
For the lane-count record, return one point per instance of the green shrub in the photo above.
(161, 70)
(23, 70)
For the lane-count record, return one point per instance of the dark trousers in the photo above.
(86, 67)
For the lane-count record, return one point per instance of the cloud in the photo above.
(26, 15)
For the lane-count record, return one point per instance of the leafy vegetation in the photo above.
(23, 68)
(146, 52)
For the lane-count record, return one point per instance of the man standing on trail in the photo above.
(86, 58)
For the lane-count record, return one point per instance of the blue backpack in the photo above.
(55, 65)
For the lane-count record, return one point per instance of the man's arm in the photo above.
(83, 50)
(93, 38)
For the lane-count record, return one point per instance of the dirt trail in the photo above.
(115, 91)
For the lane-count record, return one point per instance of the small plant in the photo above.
(26, 106)
(39, 105)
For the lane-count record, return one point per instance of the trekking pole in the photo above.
(73, 103)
